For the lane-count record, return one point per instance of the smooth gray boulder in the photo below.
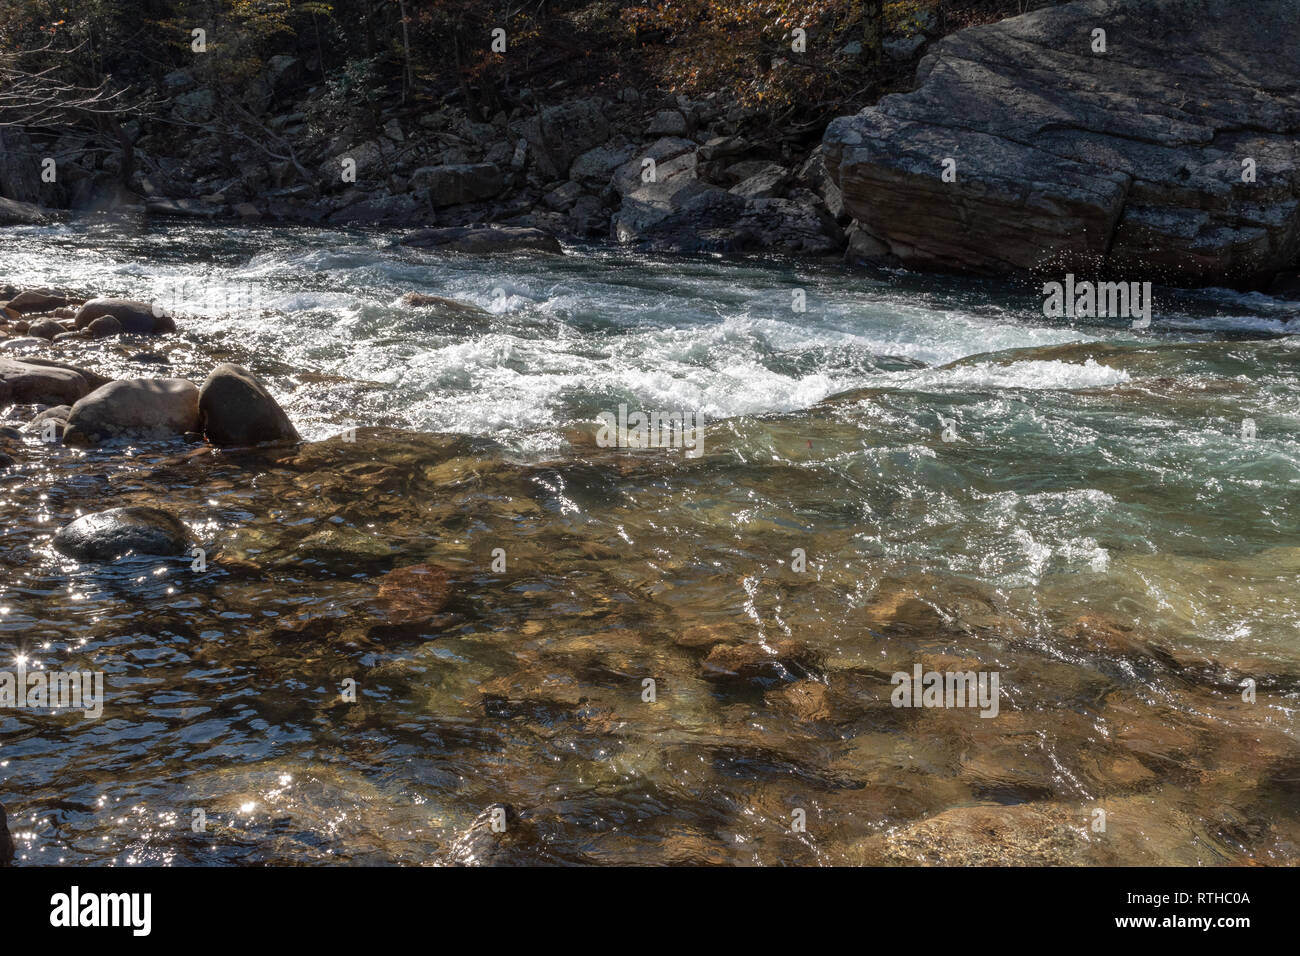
(122, 532)
(1172, 156)
(136, 318)
(104, 327)
(145, 408)
(23, 382)
(37, 300)
(45, 329)
(236, 409)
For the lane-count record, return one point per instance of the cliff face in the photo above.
(1169, 154)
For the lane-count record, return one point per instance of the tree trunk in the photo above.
(873, 32)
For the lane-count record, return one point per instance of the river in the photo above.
(657, 657)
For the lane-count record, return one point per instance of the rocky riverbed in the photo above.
(361, 646)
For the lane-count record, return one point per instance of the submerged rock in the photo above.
(236, 409)
(413, 595)
(499, 836)
(1132, 159)
(134, 408)
(764, 663)
(110, 535)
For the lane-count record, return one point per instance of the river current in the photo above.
(653, 657)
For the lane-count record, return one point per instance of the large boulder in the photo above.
(559, 134)
(236, 409)
(455, 185)
(29, 382)
(134, 408)
(481, 238)
(37, 300)
(93, 380)
(123, 532)
(1134, 161)
(137, 318)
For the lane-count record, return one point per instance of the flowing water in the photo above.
(1097, 527)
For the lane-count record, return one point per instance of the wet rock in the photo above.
(83, 335)
(499, 836)
(104, 327)
(58, 414)
(119, 532)
(150, 358)
(414, 594)
(383, 210)
(1105, 160)
(483, 238)
(1022, 835)
(14, 213)
(420, 300)
(777, 661)
(23, 381)
(1285, 285)
(38, 301)
(93, 380)
(134, 408)
(136, 318)
(563, 196)
(45, 328)
(24, 343)
(236, 409)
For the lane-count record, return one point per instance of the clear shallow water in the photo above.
(1099, 533)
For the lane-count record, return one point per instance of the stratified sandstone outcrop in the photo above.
(1174, 155)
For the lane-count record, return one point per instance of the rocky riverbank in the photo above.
(1030, 144)
(1146, 152)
